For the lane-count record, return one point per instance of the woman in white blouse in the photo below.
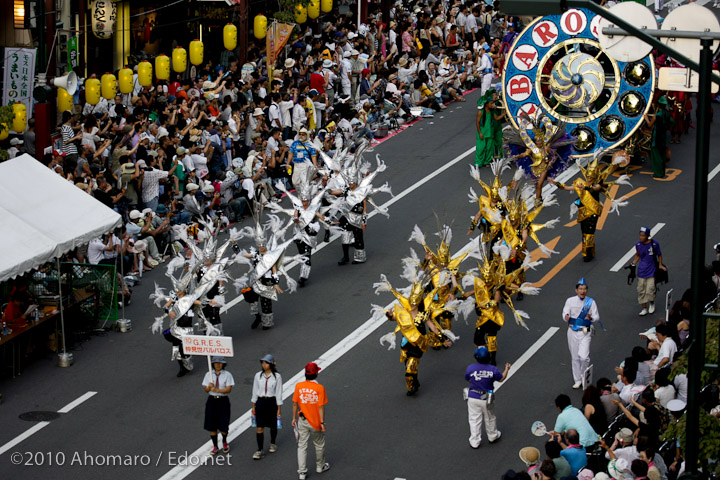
(266, 401)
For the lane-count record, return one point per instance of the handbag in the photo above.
(661, 276)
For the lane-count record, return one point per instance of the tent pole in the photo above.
(64, 360)
(123, 324)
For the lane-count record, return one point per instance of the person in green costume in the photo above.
(488, 144)
(660, 123)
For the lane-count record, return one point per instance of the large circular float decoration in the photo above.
(556, 65)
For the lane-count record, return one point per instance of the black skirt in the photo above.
(266, 412)
(217, 414)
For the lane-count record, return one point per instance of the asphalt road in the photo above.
(142, 412)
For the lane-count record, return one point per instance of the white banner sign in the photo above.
(207, 345)
(19, 77)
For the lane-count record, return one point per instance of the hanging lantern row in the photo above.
(104, 13)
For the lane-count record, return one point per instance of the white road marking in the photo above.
(631, 252)
(242, 423)
(547, 188)
(29, 432)
(76, 402)
(394, 199)
(714, 172)
(528, 354)
(239, 426)
(40, 425)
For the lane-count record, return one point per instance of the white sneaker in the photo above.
(577, 385)
(258, 455)
(273, 448)
(324, 468)
(499, 434)
(643, 312)
(301, 476)
(651, 307)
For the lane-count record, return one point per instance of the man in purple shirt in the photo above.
(482, 377)
(648, 258)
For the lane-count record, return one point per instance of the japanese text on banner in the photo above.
(19, 75)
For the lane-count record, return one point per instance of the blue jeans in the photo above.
(152, 204)
(181, 218)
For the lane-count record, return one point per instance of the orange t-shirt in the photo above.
(310, 395)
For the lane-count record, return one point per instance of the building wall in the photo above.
(9, 35)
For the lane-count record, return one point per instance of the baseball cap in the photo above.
(645, 230)
(312, 368)
(135, 214)
(180, 151)
(191, 187)
(482, 352)
(141, 164)
(16, 141)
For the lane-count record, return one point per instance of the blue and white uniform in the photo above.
(482, 378)
(583, 313)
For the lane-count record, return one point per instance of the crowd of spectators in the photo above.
(619, 430)
(217, 139)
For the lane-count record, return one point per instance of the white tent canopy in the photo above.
(44, 216)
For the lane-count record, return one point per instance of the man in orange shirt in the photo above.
(310, 397)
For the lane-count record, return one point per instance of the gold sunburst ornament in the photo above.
(577, 80)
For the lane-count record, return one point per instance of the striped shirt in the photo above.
(67, 134)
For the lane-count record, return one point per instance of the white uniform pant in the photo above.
(305, 431)
(479, 410)
(299, 175)
(579, 345)
(346, 88)
(486, 83)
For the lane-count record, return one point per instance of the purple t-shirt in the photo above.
(648, 253)
(482, 378)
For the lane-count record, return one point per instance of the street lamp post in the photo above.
(696, 354)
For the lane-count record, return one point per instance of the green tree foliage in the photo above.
(709, 446)
(6, 118)
(287, 10)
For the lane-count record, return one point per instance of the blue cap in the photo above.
(219, 360)
(645, 230)
(482, 352)
(486, 47)
(268, 358)
(581, 282)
